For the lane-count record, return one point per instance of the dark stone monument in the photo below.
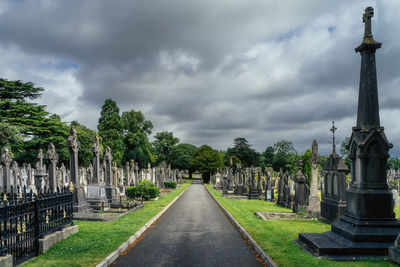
(333, 202)
(253, 190)
(300, 194)
(281, 183)
(240, 181)
(368, 226)
(79, 196)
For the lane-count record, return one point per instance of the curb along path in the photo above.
(267, 260)
(114, 255)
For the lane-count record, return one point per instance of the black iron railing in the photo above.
(26, 217)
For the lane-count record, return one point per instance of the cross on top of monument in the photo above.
(333, 130)
(368, 40)
(368, 14)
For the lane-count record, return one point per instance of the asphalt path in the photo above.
(192, 232)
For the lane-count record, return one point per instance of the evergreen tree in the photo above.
(136, 131)
(207, 161)
(110, 129)
(163, 144)
(181, 157)
(243, 151)
(37, 126)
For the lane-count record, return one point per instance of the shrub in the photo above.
(144, 189)
(170, 184)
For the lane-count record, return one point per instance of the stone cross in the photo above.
(73, 145)
(40, 172)
(368, 14)
(40, 162)
(96, 160)
(15, 172)
(333, 130)
(108, 160)
(52, 158)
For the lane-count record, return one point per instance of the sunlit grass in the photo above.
(96, 240)
(276, 236)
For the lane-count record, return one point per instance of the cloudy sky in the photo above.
(209, 71)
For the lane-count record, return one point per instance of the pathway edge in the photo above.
(116, 253)
(267, 259)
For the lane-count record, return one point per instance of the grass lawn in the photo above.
(276, 237)
(96, 240)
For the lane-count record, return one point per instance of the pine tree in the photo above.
(110, 129)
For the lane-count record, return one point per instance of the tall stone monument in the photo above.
(368, 226)
(52, 158)
(314, 204)
(79, 197)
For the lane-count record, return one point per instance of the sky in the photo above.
(209, 71)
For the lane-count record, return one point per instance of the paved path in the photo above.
(193, 232)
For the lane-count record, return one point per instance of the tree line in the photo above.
(26, 127)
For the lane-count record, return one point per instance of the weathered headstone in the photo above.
(300, 194)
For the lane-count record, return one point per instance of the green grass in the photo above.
(276, 236)
(96, 240)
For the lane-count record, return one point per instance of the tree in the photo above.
(10, 137)
(181, 157)
(344, 152)
(85, 137)
(110, 129)
(242, 150)
(285, 147)
(54, 131)
(163, 144)
(207, 161)
(136, 131)
(15, 108)
(306, 167)
(269, 155)
(285, 156)
(37, 127)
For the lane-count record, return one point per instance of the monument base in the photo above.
(332, 210)
(352, 237)
(253, 193)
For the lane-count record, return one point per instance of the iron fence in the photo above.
(25, 217)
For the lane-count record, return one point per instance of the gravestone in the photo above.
(111, 191)
(40, 172)
(300, 190)
(6, 162)
(79, 196)
(333, 195)
(253, 190)
(96, 192)
(314, 206)
(369, 226)
(52, 158)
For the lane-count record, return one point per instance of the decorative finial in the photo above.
(333, 130)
